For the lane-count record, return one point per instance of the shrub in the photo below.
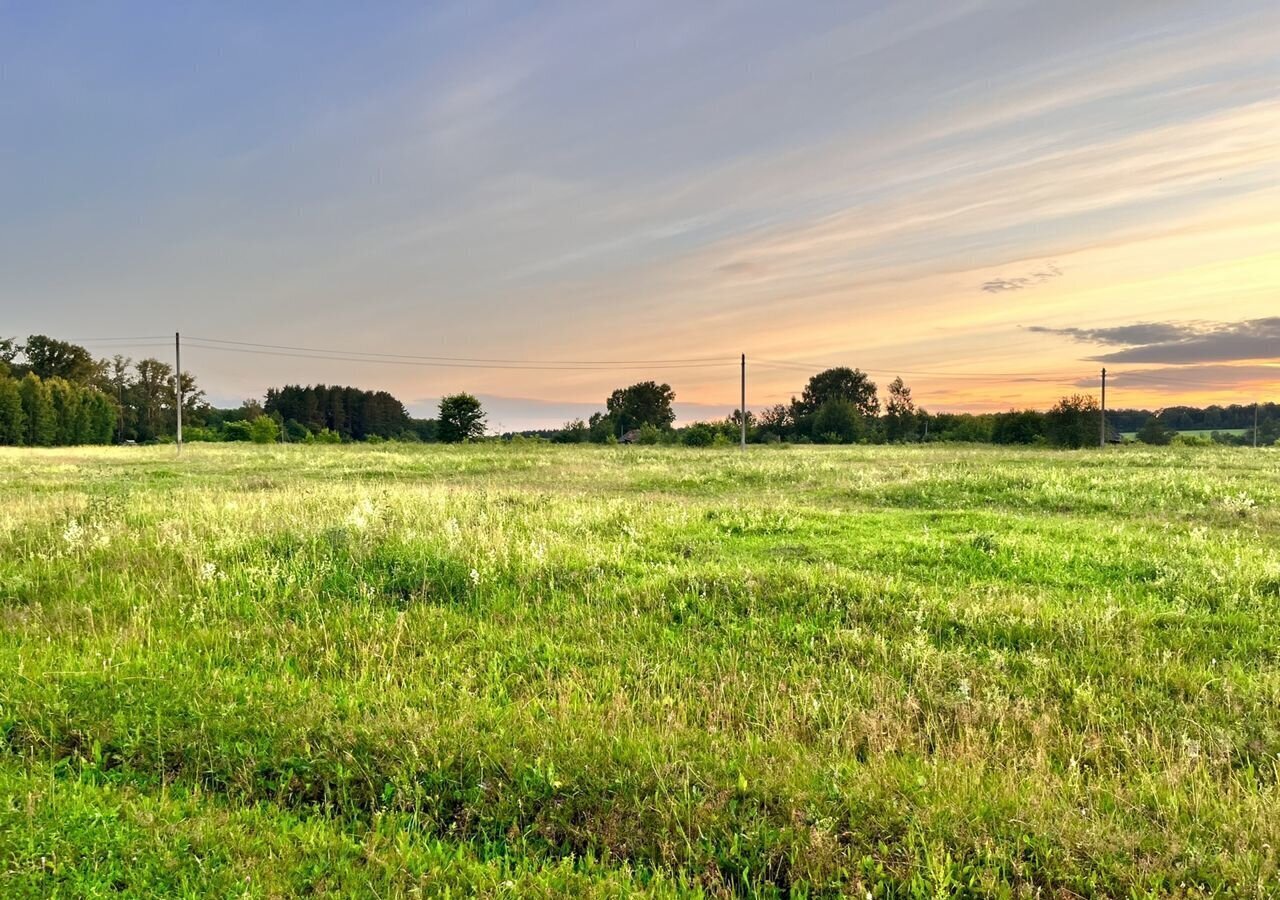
(698, 435)
(264, 430)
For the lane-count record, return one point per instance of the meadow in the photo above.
(526, 670)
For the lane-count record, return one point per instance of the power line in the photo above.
(716, 360)
(1040, 377)
(336, 357)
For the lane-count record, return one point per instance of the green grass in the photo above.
(1197, 432)
(547, 671)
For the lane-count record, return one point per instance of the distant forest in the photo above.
(54, 392)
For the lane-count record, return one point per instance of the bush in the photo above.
(1155, 433)
(837, 422)
(264, 430)
(699, 435)
(324, 436)
(236, 431)
(194, 434)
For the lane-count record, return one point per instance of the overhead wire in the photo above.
(459, 364)
(710, 360)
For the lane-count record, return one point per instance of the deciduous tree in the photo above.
(461, 419)
(841, 383)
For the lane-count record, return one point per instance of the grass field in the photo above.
(543, 671)
(1197, 432)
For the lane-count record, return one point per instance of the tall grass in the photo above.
(525, 670)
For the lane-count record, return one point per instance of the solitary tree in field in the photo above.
(461, 419)
(646, 403)
(841, 383)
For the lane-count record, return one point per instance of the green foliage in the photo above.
(649, 434)
(13, 420)
(1155, 433)
(1014, 427)
(37, 407)
(699, 434)
(646, 403)
(48, 358)
(837, 422)
(602, 428)
(264, 430)
(521, 670)
(841, 383)
(1073, 422)
(461, 419)
(324, 436)
(237, 431)
(353, 413)
(575, 432)
(901, 418)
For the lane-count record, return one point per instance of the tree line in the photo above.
(55, 392)
(840, 405)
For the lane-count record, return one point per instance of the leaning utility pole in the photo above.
(177, 382)
(1102, 430)
(742, 410)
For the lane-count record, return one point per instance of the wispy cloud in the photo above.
(1139, 333)
(1001, 285)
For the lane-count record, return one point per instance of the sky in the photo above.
(993, 200)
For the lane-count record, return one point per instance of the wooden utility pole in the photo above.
(1102, 430)
(742, 410)
(177, 382)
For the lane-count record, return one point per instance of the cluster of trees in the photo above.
(1073, 422)
(838, 406)
(47, 412)
(54, 392)
(323, 414)
(843, 405)
(350, 413)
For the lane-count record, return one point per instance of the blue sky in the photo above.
(907, 187)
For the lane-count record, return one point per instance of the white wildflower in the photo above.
(475, 577)
(73, 534)
(361, 514)
(1241, 504)
(209, 572)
